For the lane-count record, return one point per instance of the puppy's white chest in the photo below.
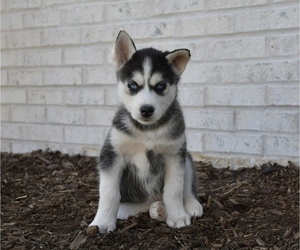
(132, 145)
(142, 165)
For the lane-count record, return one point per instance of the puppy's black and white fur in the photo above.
(144, 164)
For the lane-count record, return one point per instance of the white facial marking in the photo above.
(147, 66)
(155, 78)
(138, 78)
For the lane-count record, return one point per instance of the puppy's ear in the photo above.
(124, 48)
(179, 59)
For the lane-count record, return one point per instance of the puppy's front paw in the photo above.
(104, 227)
(179, 221)
(193, 207)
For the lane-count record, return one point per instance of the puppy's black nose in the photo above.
(147, 111)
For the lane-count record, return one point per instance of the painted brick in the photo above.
(111, 96)
(221, 4)
(92, 150)
(84, 14)
(100, 116)
(98, 34)
(26, 147)
(23, 39)
(62, 76)
(222, 24)
(235, 96)
(281, 18)
(233, 143)
(29, 4)
(269, 19)
(99, 75)
(5, 146)
(165, 7)
(153, 30)
(48, 133)
(59, 2)
(284, 45)
(267, 120)
(3, 77)
(85, 96)
(283, 96)
(208, 73)
(193, 96)
(284, 71)
(61, 37)
(282, 146)
(43, 57)
(65, 115)
(28, 114)
(194, 141)
(128, 10)
(12, 58)
(248, 21)
(12, 95)
(208, 119)
(253, 72)
(280, 1)
(229, 49)
(45, 96)
(5, 111)
(73, 149)
(12, 21)
(83, 56)
(138, 30)
(85, 135)
(3, 5)
(267, 71)
(12, 131)
(3, 41)
(25, 77)
(66, 148)
(42, 19)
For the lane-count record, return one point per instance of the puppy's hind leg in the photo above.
(130, 209)
(157, 211)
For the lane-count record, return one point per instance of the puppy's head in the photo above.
(147, 78)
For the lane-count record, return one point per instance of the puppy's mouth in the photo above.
(143, 119)
(146, 121)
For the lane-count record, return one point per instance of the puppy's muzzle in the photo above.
(147, 111)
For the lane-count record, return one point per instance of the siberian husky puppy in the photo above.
(144, 164)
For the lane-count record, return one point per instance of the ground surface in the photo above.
(48, 199)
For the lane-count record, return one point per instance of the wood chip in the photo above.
(79, 240)
(51, 209)
(92, 231)
(287, 233)
(260, 242)
(276, 212)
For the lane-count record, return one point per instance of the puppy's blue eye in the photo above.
(133, 87)
(161, 86)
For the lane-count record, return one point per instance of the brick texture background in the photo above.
(240, 92)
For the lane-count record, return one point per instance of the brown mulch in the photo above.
(48, 199)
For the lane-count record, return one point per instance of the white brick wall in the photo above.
(240, 92)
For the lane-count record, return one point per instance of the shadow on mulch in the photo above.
(48, 199)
